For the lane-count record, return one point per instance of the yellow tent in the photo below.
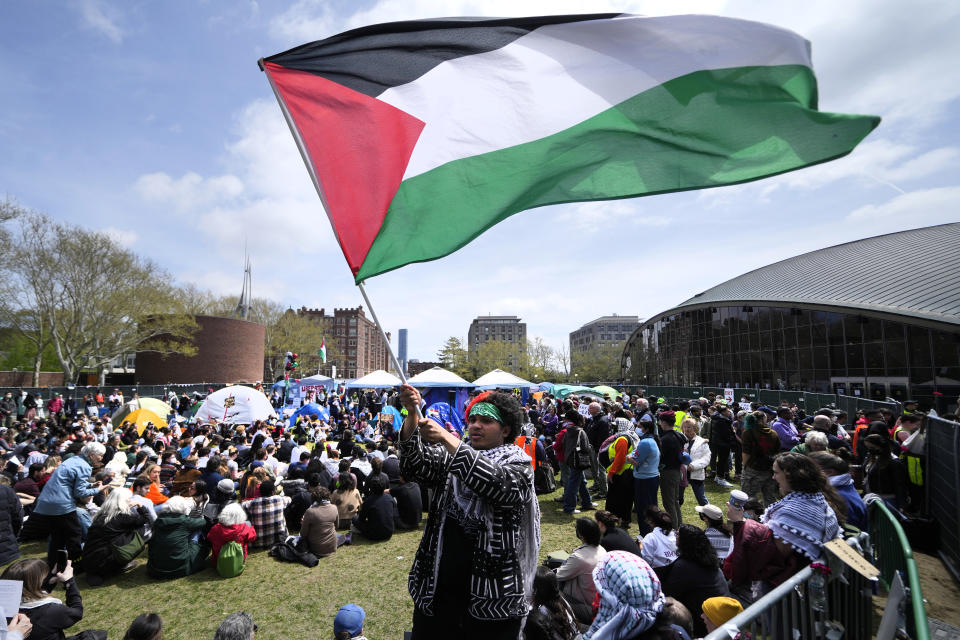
(159, 407)
(141, 417)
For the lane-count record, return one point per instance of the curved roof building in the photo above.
(878, 317)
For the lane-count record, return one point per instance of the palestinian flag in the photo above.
(421, 135)
(322, 352)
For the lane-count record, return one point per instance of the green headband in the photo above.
(486, 409)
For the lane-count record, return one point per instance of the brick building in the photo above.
(228, 350)
(361, 345)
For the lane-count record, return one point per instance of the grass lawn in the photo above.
(290, 601)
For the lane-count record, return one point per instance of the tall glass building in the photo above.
(878, 318)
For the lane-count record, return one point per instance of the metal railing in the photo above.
(789, 610)
(942, 478)
(892, 554)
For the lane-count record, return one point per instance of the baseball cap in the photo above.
(350, 619)
(712, 511)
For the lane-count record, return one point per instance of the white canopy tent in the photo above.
(499, 379)
(236, 404)
(378, 379)
(438, 377)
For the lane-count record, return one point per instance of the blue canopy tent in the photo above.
(437, 385)
(311, 409)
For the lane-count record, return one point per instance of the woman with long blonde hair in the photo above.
(152, 472)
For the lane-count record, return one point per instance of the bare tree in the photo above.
(93, 299)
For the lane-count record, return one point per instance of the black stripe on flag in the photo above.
(372, 59)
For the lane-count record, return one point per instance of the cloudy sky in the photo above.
(151, 121)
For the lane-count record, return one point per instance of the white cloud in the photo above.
(124, 237)
(94, 14)
(189, 192)
(911, 210)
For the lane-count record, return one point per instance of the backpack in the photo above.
(230, 561)
(583, 453)
(543, 480)
(290, 552)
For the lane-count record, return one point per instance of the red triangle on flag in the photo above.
(359, 148)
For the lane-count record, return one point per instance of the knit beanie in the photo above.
(721, 609)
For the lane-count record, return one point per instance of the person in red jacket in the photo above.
(232, 525)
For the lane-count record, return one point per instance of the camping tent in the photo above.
(563, 390)
(438, 384)
(610, 391)
(159, 407)
(140, 418)
(310, 409)
(379, 379)
(235, 404)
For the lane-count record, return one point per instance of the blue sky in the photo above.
(151, 121)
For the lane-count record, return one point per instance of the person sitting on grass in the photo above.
(266, 516)
(171, 554)
(695, 575)
(146, 626)
(236, 626)
(347, 499)
(116, 537)
(378, 514)
(232, 525)
(48, 615)
(551, 617)
(613, 537)
(576, 573)
(719, 533)
(718, 611)
(659, 547)
(152, 471)
(348, 623)
(319, 526)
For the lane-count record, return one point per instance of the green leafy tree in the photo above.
(453, 357)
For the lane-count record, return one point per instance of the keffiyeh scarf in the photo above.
(474, 508)
(630, 597)
(804, 521)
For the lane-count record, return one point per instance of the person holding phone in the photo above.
(55, 511)
(47, 615)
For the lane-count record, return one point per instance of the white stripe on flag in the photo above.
(557, 76)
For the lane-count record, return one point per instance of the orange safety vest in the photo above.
(529, 447)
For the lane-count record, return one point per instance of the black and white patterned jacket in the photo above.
(496, 580)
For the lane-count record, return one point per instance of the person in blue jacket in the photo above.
(646, 473)
(837, 471)
(55, 511)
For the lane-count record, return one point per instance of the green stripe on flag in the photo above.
(704, 129)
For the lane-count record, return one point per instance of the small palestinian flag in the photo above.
(421, 135)
(322, 352)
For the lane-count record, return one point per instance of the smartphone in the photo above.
(61, 560)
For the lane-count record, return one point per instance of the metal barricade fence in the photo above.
(144, 390)
(789, 610)
(942, 479)
(892, 554)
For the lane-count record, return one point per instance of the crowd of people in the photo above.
(191, 497)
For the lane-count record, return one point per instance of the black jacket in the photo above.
(300, 501)
(102, 538)
(598, 430)
(11, 519)
(721, 431)
(409, 504)
(671, 444)
(377, 517)
(50, 619)
(616, 539)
